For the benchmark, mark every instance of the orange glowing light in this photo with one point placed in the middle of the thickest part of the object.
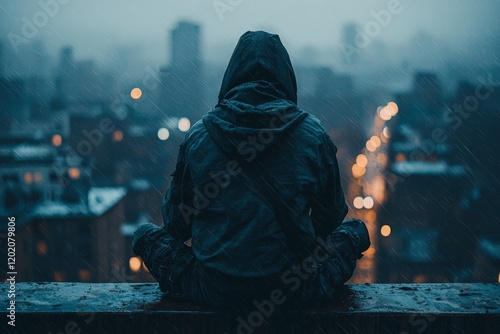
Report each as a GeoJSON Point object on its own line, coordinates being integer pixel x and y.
{"type": "Point", "coordinates": [368, 202]}
{"type": "Point", "coordinates": [57, 140]}
{"type": "Point", "coordinates": [385, 114]}
{"type": "Point", "coordinates": [358, 202]}
{"type": "Point", "coordinates": [382, 158]}
{"type": "Point", "coordinates": [41, 248]}
{"type": "Point", "coordinates": [400, 157]}
{"type": "Point", "coordinates": [386, 132]}
{"type": "Point", "coordinates": [135, 263]}
{"type": "Point", "coordinates": [385, 230]}
{"type": "Point", "coordinates": [420, 279]}
{"type": "Point", "coordinates": [370, 216]}
{"type": "Point", "coordinates": [117, 136]}
{"type": "Point", "coordinates": [74, 173]}
{"type": "Point", "coordinates": [370, 251]}
{"type": "Point", "coordinates": [28, 178]}
{"type": "Point", "coordinates": [376, 141]}
{"type": "Point", "coordinates": [84, 275]}
{"type": "Point", "coordinates": [358, 171]}
{"type": "Point", "coordinates": [37, 176]}
{"type": "Point", "coordinates": [370, 146]}
{"type": "Point", "coordinates": [136, 93]}
{"type": "Point", "coordinates": [362, 160]}
{"type": "Point", "coordinates": [392, 108]}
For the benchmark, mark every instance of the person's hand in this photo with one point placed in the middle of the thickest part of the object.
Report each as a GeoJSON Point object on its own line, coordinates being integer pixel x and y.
{"type": "Point", "coordinates": [188, 242]}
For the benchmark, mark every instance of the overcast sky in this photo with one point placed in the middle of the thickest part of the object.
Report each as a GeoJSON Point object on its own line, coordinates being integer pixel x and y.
{"type": "Point", "coordinates": [96, 26]}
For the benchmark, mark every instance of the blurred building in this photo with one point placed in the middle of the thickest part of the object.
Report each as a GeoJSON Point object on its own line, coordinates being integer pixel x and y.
{"type": "Point", "coordinates": [181, 93]}
{"type": "Point", "coordinates": [421, 224]}
{"type": "Point", "coordinates": [350, 48]}
{"type": "Point", "coordinates": [424, 105]}
{"type": "Point", "coordinates": [487, 265]}
{"type": "Point", "coordinates": [81, 83]}
{"type": "Point", "coordinates": [14, 105]}
{"type": "Point", "coordinates": [61, 241]}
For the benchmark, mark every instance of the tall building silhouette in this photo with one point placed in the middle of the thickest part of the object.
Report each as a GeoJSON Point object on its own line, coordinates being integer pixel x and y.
{"type": "Point", "coordinates": [185, 44]}
{"type": "Point", "coordinates": [350, 42]}
{"type": "Point", "coordinates": [181, 94]}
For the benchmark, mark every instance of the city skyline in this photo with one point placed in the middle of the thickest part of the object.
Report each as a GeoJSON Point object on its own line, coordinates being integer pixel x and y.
{"type": "Point", "coordinates": [137, 32]}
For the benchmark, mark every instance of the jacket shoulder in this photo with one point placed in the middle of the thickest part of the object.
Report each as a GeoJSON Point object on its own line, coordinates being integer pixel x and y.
{"type": "Point", "coordinates": [314, 128]}
{"type": "Point", "coordinates": [196, 132]}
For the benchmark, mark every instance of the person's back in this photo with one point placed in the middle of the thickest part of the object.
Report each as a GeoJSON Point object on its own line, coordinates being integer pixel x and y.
{"type": "Point", "coordinates": [256, 129]}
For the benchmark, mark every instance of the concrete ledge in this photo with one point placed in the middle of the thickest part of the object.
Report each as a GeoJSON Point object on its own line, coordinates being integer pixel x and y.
{"type": "Point", "coordinates": [141, 308]}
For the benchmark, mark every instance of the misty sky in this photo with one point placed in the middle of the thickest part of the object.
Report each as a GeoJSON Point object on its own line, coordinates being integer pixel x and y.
{"type": "Point", "coordinates": [96, 26]}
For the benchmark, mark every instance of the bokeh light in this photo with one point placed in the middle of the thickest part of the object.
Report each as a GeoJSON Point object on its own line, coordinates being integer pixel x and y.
{"type": "Point", "coordinates": [385, 230]}
{"type": "Point", "coordinates": [362, 160]}
{"type": "Point", "coordinates": [184, 124]}
{"type": "Point", "coordinates": [163, 134]}
{"type": "Point", "coordinates": [358, 202]}
{"type": "Point", "coordinates": [136, 93]}
{"type": "Point", "coordinates": [135, 264]}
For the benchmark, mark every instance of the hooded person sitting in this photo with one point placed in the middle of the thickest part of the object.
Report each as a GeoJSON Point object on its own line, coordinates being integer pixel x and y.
{"type": "Point", "coordinates": [257, 191]}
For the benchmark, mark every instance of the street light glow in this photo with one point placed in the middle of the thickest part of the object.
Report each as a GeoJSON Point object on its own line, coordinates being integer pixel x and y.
{"type": "Point", "coordinates": [163, 134]}
{"type": "Point", "coordinates": [184, 124]}
{"type": "Point", "coordinates": [136, 93]}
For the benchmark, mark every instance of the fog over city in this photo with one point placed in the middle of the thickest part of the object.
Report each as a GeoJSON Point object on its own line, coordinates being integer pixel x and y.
{"type": "Point", "coordinates": [117, 31]}
{"type": "Point", "coordinates": [96, 97]}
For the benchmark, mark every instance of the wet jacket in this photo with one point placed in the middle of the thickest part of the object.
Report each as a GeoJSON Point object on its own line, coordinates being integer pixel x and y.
{"type": "Point", "coordinates": [233, 229]}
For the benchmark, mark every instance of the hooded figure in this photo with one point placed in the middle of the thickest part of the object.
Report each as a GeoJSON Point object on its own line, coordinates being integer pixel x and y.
{"type": "Point", "coordinates": [242, 241]}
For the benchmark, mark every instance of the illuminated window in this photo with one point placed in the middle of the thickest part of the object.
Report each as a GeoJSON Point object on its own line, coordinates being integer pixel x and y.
{"type": "Point", "coordinates": [59, 276]}
{"type": "Point", "coordinates": [28, 178]}
{"type": "Point", "coordinates": [41, 248]}
{"type": "Point", "coordinates": [117, 136]}
{"type": "Point", "coordinates": [74, 173]}
{"type": "Point", "coordinates": [56, 140]}
{"type": "Point", "coordinates": [400, 157]}
{"type": "Point", "coordinates": [37, 176]}
{"type": "Point", "coordinates": [84, 275]}
{"type": "Point", "coordinates": [420, 279]}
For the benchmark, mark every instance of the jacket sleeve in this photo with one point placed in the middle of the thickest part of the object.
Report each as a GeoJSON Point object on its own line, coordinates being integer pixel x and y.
{"type": "Point", "coordinates": [177, 207]}
{"type": "Point", "coordinates": [328, 204]}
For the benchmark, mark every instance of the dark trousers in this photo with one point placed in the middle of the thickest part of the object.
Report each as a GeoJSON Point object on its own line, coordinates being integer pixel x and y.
{"type": "Point", "coordinates": [312, 279]}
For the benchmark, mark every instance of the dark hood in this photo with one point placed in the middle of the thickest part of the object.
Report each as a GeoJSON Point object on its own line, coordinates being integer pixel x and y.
{"type": "Point", "coordinates": [258, 97]}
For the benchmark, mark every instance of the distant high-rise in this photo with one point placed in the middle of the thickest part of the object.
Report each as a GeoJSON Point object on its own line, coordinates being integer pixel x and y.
{"type": "Point", "coordinates": [350, 43]}
{"type": "Point", "coordinates": [182, 92]}
{"type": "Point", "coordinates": [185, 43]}
{"type": "Point", "coordinates": [66, 59]}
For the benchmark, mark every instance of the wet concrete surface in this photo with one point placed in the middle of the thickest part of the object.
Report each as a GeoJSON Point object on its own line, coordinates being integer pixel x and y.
{"type": "Point", "coordinates": [365, 308]}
